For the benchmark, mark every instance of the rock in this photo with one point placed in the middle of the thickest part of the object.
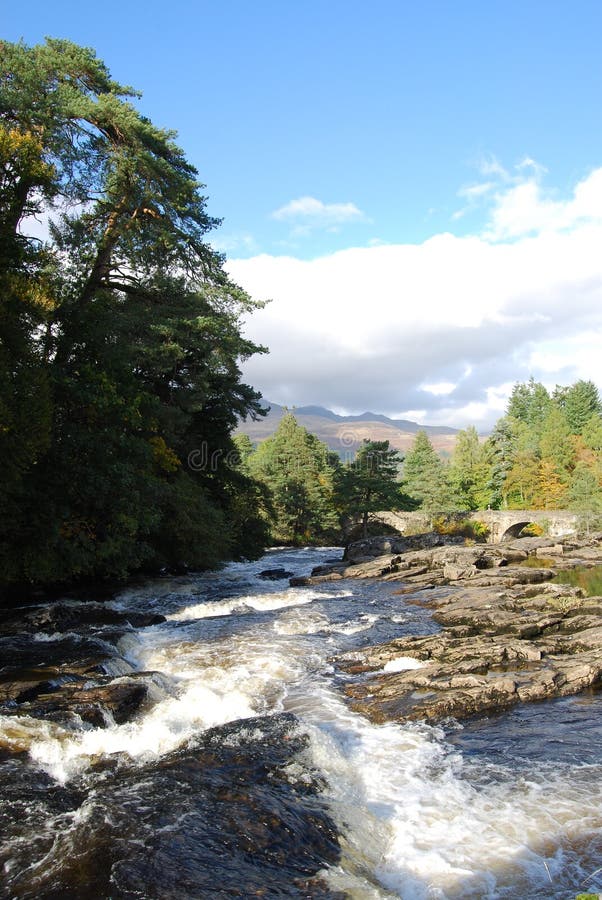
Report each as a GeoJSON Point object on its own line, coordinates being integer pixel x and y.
{"type": "Point", "coordinates": [369, 548]}
{"type": "Point", "coordinates": [275, 574]}
{"type": "Point", "coordinates": [454, 572]}
{"type": "Point", "coordinates": [554, 550]}
{"type": "Point", "coordinates": [499, 646]}
{"type": "Point", "coordinates": [337, 568]}
{"type": "Point", "coordinates": [530, 544]}
{"type": "Point", "coordinates": [60, 617]}
{"type": "Point", "coordinates": [303, 581]}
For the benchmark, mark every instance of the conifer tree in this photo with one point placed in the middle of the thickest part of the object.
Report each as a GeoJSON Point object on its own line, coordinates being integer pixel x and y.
{"type": "Point", "coordinates": [469, 473]}
{"type": "Point", "coordinates": [370, 483]}
{"type": "Point", "coordinates": [298, 470]}
{"type": "Point", "coordinates": [424, 476]}
{"type": "Point", "coordinates": [120, 336]}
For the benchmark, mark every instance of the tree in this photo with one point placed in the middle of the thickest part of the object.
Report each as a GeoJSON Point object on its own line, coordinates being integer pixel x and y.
{"type": "Point", "coordinates": [521, 483]}
{"type": "Point", "coordinates": [499, 451]}
{"type": "Point", "coordinates": [424, 475]}
{"type": "Point", "coordinates": [121, 337]}
{"type": "Point", "coordinates": [580, 402]}
{"type": "Point", "coordinates": [550, 488]}
{"type": "Point", "coordinates": [469, 472]}
{"type": "Point", "coordinates": [585, 493]}
{"type": "Point", "coordinates": [298, 470]}
{"type": "Point", "coordinates": [592, 433]}
{"type": "Point", "coordinates": [370, 482]}
{"type": "Point", "coordinates": [529, 403]}
{"type": "Point", "coordinates": [556, 442]}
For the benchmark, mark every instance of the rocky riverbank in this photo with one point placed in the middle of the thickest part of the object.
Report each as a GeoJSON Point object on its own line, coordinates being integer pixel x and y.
{"type": "Point", "coordinates": [59, 662]}
{"type": "Point", "coordinates": [508, 634]}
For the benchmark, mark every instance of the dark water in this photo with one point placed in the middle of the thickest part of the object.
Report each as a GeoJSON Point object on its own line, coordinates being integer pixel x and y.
{"type": "Point", "coordinates": [242, 772]}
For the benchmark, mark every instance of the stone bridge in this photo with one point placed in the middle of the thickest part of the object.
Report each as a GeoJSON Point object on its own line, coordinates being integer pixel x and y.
{"type": "Point", "coordinates": [503, 524]}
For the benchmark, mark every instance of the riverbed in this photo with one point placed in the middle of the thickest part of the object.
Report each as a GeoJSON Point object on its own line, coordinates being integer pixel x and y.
{"type": "Point", "coordinates": [248, 774]}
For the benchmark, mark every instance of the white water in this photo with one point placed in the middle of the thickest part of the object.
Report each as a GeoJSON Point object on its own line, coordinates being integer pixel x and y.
{"type": "Point", "coordinates": [418, 820]}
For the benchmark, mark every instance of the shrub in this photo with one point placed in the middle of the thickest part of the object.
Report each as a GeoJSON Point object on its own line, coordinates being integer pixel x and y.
{"type": "Point", "coordinates": [457, 524]}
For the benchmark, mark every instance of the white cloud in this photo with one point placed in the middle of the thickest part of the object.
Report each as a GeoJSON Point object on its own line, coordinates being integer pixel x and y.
{"type": "Point", "coordinates": [307, 213]}
{"type": "Point", "coordinates": [441, 389]}
{"type": "Point", "coordinates": [491, 167]}
{"type": "Point", "coordinates": [446, 326]}
{"type": "Point", "coordinates": [520, 205]}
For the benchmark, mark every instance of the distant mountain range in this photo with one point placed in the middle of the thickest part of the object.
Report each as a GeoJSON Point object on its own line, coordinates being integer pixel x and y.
{"type": "Point", "coordinates": [344, 434]}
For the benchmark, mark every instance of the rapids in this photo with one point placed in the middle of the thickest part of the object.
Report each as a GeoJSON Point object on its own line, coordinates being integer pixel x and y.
{"type": "Point", "coordinates": [246, 774]}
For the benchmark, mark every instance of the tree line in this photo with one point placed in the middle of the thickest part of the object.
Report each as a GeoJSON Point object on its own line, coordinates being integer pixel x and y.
{"type": "Point", "coordinates": [120, 337]}
{"type": "Point", "coordinates": [544, 453]}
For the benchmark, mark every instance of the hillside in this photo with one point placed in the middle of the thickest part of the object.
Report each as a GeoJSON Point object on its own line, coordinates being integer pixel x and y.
{"type": "Point", "coordinates": [344, 434]}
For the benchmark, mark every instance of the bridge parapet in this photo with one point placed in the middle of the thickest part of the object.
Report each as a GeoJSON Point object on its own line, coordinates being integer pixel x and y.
{"type": "Point", "coordinates": [503, 524]}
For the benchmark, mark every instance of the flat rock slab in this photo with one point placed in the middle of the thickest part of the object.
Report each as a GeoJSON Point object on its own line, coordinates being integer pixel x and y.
{"type": "Point", "coordinates": [501, 644]}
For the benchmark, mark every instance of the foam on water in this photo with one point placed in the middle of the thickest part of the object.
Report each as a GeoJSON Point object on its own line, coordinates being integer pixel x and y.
{"type": "Point", "coordinates": [212, 684]}
{"type": "Point", "coordinates": [256, 602]}
{"type": "Point", "coordinates": [424, 825]}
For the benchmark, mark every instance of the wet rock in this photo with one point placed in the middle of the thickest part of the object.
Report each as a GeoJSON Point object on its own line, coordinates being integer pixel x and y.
{"type": "Point", "coordinates": [98, 705]}
{"type": "Point", "coordinates": [22, 652]}
{"type": "Point", "coordinates": [497, 648]}
{"type": "Point", "coordinates": [302, 581]}
{"type": "Point", "coordinates": [275, 574]}
{"type": "Point", "coordinates": [237, 814]}
{"type": "Point", "coordinates": [60, 617]}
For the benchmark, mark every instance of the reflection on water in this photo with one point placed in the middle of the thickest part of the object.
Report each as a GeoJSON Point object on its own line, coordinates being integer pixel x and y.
{"type": "Point", "coordinates": [588, 579]}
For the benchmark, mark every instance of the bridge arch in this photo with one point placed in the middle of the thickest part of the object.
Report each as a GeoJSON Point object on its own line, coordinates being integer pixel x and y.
{"type": "Point", "coordinates": [515, 530]}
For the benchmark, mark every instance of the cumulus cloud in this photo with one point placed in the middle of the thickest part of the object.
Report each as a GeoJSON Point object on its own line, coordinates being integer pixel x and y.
{"type": "Point", "coordinates": [308, 213]}
{"type": "Point", "coordinates": [444, 327]}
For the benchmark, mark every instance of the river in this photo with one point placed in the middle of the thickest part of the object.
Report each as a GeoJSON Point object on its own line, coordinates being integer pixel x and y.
{"type": "Point", "coordinates": [248, 775]}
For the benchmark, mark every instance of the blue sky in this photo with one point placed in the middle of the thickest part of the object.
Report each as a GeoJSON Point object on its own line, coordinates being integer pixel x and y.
{"type": "Point", "coordinates": [328, 129]}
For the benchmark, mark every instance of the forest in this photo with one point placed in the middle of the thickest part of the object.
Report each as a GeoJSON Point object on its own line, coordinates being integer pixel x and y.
{"type": "Point", "coordinates": [120, 381]}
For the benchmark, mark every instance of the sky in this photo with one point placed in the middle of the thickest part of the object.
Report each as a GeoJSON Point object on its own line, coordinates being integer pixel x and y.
{"type": "Point", "coordinates": [415, 187]}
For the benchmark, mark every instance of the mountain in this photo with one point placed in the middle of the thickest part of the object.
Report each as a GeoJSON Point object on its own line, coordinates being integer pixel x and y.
{"type": "Point", "coordinates": [344, 434]}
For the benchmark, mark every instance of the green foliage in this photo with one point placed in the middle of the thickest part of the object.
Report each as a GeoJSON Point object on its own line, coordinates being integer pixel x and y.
{"type": "Point", "coordinates": [556, 443]}
{"type": "Point", "coordinates": [579, 402]}
{"type": "Point", "coordinates": [370, 483]}
{"type": "Point", "coordinates": [120, 339]}
{"type": "Point", "coordinates": [469, 474]}
{"type": "Point", "coordinates": [499, 451]}
{"type": "Point", "coordinates": [529, 403]}
{"type": "Point", "coordinates": [457, 524]}
{"type": "Point", "coordinates": [592, 433]}
{"type": "Point", "coordinates": [424, 476]}
{"type": "Point", "coordinates": [299, 471]}
{"type": "Point", "coordinates": [545, 453]}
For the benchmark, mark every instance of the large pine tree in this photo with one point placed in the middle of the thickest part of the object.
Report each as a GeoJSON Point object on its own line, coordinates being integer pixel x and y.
{"type": "Point", "coordinates": [120, 336]}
